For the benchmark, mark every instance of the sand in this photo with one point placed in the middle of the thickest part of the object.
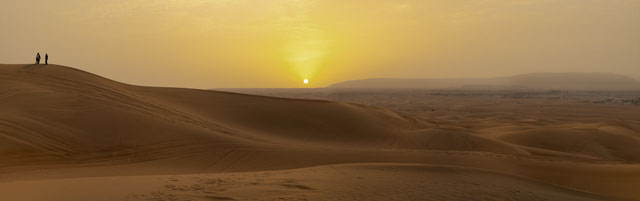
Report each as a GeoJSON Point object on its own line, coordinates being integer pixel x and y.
{"type": "Point", "coordinates": [334, 182]}
{"type": "Point", "coordinates": [66, 134]}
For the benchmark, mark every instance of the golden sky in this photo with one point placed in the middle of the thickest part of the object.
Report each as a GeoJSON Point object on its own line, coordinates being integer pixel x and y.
{"type": "Point", "coordinates": [278, 43]}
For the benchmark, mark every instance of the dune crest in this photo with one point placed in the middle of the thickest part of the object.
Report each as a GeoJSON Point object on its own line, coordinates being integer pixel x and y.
{"type": "Point", "coordinates": [60, 111]}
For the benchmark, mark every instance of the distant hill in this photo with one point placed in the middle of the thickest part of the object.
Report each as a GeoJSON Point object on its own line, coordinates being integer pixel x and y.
{"type": "Point", "coordinates": [537, 81]}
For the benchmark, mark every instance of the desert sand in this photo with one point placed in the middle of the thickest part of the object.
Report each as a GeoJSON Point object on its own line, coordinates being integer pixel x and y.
{"type": "Point", "coordinates": [66, 134]}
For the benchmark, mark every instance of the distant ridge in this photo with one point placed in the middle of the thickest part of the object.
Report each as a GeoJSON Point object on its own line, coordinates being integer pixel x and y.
{"type": "Point", "coordinates": [534, 81]}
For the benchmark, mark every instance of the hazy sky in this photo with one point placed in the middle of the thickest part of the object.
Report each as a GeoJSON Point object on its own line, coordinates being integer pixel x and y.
{"type": "Point", "coordinates": [278, 43]}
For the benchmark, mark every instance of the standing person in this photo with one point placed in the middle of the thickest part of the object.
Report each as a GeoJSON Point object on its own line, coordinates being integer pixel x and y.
{"type": "Point", "coordinates": [46, 59]}
{"type": "Point", "coordinates": [38, 58]}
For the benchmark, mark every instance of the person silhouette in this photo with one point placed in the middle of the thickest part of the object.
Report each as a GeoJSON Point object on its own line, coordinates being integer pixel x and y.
{"type": "Point", "coordinates": [46, 59]}
{"type": "Point", "coordinates": [38, 58]}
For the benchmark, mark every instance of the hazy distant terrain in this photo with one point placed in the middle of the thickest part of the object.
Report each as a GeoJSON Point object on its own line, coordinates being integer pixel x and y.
{"type": "Point", "coordinates": [535, 81]}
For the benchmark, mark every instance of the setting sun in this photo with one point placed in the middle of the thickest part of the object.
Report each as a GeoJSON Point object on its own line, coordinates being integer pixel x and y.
{"type": "Point", "coordinates": [306, 81]}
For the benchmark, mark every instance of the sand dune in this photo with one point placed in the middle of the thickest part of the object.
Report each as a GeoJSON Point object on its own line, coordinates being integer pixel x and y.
{"type": "Point", "coordinates": [61, 127]}
{"type": "Point", "coordinates": [63, 112]}
{"type": "Point", "coordinates": [591, 142]}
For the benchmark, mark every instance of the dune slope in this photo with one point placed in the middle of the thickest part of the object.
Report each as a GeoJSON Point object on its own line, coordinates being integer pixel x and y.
{"type": "Point", "coordinates": [63, 112]}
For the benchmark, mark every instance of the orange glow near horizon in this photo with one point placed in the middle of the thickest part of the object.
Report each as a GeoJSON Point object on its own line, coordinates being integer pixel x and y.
{"type": "Point", "coordinates": [243, 43]}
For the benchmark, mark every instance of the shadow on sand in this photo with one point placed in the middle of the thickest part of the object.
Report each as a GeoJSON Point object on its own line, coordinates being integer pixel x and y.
{"type": "Point", "coordinates": [34, 66]}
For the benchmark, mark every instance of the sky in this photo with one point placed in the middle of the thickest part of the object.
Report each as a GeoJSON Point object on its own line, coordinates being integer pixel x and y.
{"type": "Point", "coordinates": [279, 43]}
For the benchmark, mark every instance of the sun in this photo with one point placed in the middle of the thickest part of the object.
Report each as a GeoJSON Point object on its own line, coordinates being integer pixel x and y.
{"type": "Point", "coordinates": [306, 81]}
